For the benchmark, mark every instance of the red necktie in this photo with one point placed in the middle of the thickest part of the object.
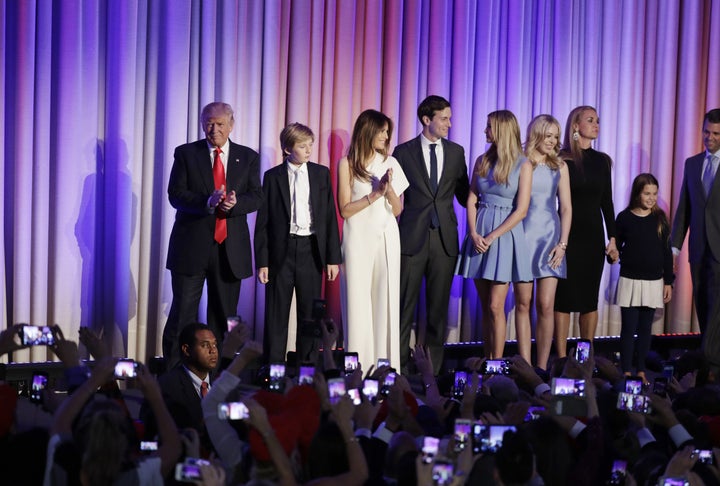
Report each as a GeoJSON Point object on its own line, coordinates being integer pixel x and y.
{"type": "Point", "coordinates": [220, 217]}
{"type": "Point", "coordinates": [203, 389]}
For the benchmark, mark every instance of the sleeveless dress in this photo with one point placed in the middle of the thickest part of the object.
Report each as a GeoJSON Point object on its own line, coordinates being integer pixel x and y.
{"type": "Point", "coordinates": [542, 223]}
{"type": "Point", "coordinates": [370, 281]}
{"type": "Point", "coordinates": [508, 258]}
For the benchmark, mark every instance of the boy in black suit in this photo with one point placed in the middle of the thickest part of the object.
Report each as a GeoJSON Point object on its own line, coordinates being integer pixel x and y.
{"type": "Point", "coordinates": [296, 238]}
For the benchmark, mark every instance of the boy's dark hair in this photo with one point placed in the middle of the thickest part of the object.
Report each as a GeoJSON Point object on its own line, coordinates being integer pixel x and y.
{"type": "Point", "coordinates": [187, 334]}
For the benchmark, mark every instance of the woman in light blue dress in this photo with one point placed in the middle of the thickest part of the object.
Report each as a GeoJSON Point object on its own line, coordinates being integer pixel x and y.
{"type": "Point", "coordinates": [495, 250]}
{"type": "Point", "coordinates": [547, 234]}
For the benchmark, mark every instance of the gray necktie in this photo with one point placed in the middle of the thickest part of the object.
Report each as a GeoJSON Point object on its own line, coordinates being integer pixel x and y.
{"type": "Point", "coordinates": [709, 174]}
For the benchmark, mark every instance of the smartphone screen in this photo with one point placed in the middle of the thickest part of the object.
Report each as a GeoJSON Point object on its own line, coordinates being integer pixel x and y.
{"type": "Point", "coordinates": [148, 445]}
{"type": "Point", "coordinates": [351, 362]}
{"type": "Point", "coordinates": [633, 384]}
{"type": "Point", "coordinates": [125, 368]}
{"type": "Point", "coordinates": [705, 456]}
{"type": "Point", "coordinates": [462, 434]}
{"type": "Point", "coordinates": [187, 473]}
{"type": "Point", "coordinates": [568, 386]}
{"type": "Point", "coordinates": [534, 413]}
{"type": "Point", "coordinates": [618, 473]}
{"type": "Point", "coordinates": [354, 394]}
{"type": "Point", "coordinates": [442, 473]}
{"type": "Point", "coordinates": [388, 382]}
{"type": "Point", "coordinates": [668, 371]}
{"type": "Point", "coordinates": [39, 382]}
{"type": "Point", "coordinates": [582, 350]}
{"type": "Point", "coordinates": [233, 411]}
{"type": "Point", "coordinates": [307, 372]}
{"type": "Point", "coordinates": [496, 367]}
{"type": "Point", "coordinates": [459, 383]}
{"type": "Point", "coordinates": [277, 377]}
{"type": "Point", "coordinates": [383, 362]}
{"type": "Point", "coordinates": [370, 388]}
{"type": "Point", "coordinates": [674, 481]}
{"type": "Point", "coordinates": [429, 449]}
{"type": "Point", "coordinates": [489, 438]}
{"type": "Point", "coordinates": [633, 403]}
{"type": "Point", "coordinates": [336, 389]}
{"type": "Point", "coordinates": [37, 336]}
{"type": "Point", "coordinates": [232, 322]}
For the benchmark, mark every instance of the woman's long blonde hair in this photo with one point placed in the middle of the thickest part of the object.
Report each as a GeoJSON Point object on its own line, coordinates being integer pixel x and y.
{"type": "Point", "coordinates": [536, 136]}
{"type": "Point", "coordinates": [505, 148]}
{"type": "Point", "coordinates": [367, 126]}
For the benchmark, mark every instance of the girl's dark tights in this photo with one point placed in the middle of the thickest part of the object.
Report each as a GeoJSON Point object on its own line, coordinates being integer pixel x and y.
{"type": "Point", "coordinates": [635, 320]}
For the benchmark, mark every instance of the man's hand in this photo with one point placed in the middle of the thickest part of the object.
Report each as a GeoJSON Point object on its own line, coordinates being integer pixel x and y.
{"type": "Point", "coordinates": [65, 349]}
{"type": "Point", "coordinates": [216, 197]}
{"type": "Point", "coordinates": [229, 202]}
{"type": "Point", "coordinates": [332, 272]}
{"type": "Point", "coordinates": [9, 339]}
{"type": "Point", "coordinates": [94, 344]}
{"type": "Point", "coordinates": [263, 275]}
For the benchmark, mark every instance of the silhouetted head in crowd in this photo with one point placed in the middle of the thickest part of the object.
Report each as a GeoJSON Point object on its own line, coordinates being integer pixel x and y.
{"type": "Point", "coordinates": [515, 461]}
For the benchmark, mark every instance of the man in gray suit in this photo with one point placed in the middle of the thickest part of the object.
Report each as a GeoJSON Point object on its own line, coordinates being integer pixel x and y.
{"type": "Point", "coordinates": [437, 172]}
{"type": "Point", "coordinates": [699, 210]}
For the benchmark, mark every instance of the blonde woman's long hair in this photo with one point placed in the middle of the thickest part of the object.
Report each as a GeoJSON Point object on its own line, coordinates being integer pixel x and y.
{"type": "Point", "coordinates": [536, 136]}
{"type": "Point", "coordinates": [367, 126]}
{"type": "Point", "coordinates": [506, 146]}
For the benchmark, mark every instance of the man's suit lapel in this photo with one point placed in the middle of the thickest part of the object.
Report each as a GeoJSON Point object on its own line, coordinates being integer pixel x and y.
{"type": "Point", "coordinates": [284, 187]}
{"type": "Point", "coordinates": [232, 177]}
{"type": "Point", "coordinates": [421, 171]}
{"type": "Point", "coordinates": [205, 165]}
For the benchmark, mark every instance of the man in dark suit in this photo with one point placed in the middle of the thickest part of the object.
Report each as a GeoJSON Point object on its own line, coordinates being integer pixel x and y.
{"type": "Point", "coordinates": [296, 238]}
{"type": "Point", "coordinates": [184, 386]}
{"type": "Point", "coordinates": [437, 172]}
{"type": "Point", "coordinates": [210, 239]}
{"type": "Point", "coordinates": [699, 210]}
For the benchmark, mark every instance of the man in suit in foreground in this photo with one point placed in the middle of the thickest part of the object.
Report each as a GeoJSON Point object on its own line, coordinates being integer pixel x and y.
{"type": "Point", "coordinates": [184, 386]}
{"type": "Point", "coordinates": [296, 238]}
{"type": "Point", "coordinates": [699, 210]}
{"type": "Point", "coordinates": [437, 172]}
{"type": "Point", "coordinates": [214, 184]}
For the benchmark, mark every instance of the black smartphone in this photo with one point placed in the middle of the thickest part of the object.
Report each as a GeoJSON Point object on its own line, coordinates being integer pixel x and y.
{"type": "Point", "coordinates": [370, 388]}
{"type": "Point", "coordinates": [534, 413]}
{"type": "Point", "coordinates": [462, 434]}
{"type": "Point", "coordinates": [459, 383]}
{"type": "Point", "coordinates": [668, 371]}
{"type": "Point", "coordinates": [496, 367]}
{"type": "Point", "coordinates": [582, 350]}
{"type": "Point", "coordinates": [336, 389]}
{"type": "Point", "coordinates": [233, 411]}
{"type": "Point", "coordinates": [148, 446]}
{"type": "Point", "coordinates": [705, 456]}
{"type": "Point", "coordinates": [382, 362]}
{"type": "Point", "coordinates": [307, 372]}
{"type": "Point", "coordinates": [36, 335]}
{"type": "Point", "coordinates": [634, 403]}
{"type": "Point", "coordinates": [618, 473]}
{"type": "Point", "coordinates": [660, 386]}
{"type": "Point", "coordinates": [388, 382]}
{"type": "Point", "coordinates": [319, 309]}
{"type": "Point", "coordinates": [232, 322]}
{"type": "Point", "coordinates": [38, 384]}
{"type": "Point", "coordinates": [568, 386]}
{"type": "Point", "coordinates": [489, 438]}
{"type": "Point", "coordinates": [276, 382]}
{"type": "Point", "coordinates": [351, 362]}
{"type": "Point", "coordinates": [429, 449]}
{"type": "Point", "coordinates": [633, 384]}
{"type": "Point", "coordinates": [443, 472]}
{"type": "Point", "coordinates": [188, 473]}
{"type": "Point", "coordinates": [125, 368]}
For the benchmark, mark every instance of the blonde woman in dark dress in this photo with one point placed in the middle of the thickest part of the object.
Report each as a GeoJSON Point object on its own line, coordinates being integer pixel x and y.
{"type": "Point", "coordinates": [587, 248]}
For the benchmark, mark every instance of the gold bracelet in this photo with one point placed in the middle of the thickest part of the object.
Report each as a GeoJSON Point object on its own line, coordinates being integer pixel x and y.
{"type": "Point", "coordinates": [562, 245]}
{"type": "Point", "coordinates": [367, 196]}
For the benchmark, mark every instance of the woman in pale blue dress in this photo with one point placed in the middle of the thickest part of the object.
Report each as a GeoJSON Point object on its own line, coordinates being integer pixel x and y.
{"type": "Point", "coordinates": [495, 251]}
{"type": "Point", "coordinates": [547, 234]}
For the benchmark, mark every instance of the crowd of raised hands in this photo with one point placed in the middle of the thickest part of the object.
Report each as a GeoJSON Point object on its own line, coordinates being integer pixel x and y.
{"type": "Point", "coordinates": [422, 429]}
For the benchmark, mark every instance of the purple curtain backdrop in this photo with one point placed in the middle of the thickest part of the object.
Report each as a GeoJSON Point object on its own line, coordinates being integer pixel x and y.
{"type": "Point", "coordinates": [95, 95]}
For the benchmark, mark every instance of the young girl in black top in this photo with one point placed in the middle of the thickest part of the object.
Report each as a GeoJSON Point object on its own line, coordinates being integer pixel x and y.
{"type": "Point", "coordinates": [646, 272]}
